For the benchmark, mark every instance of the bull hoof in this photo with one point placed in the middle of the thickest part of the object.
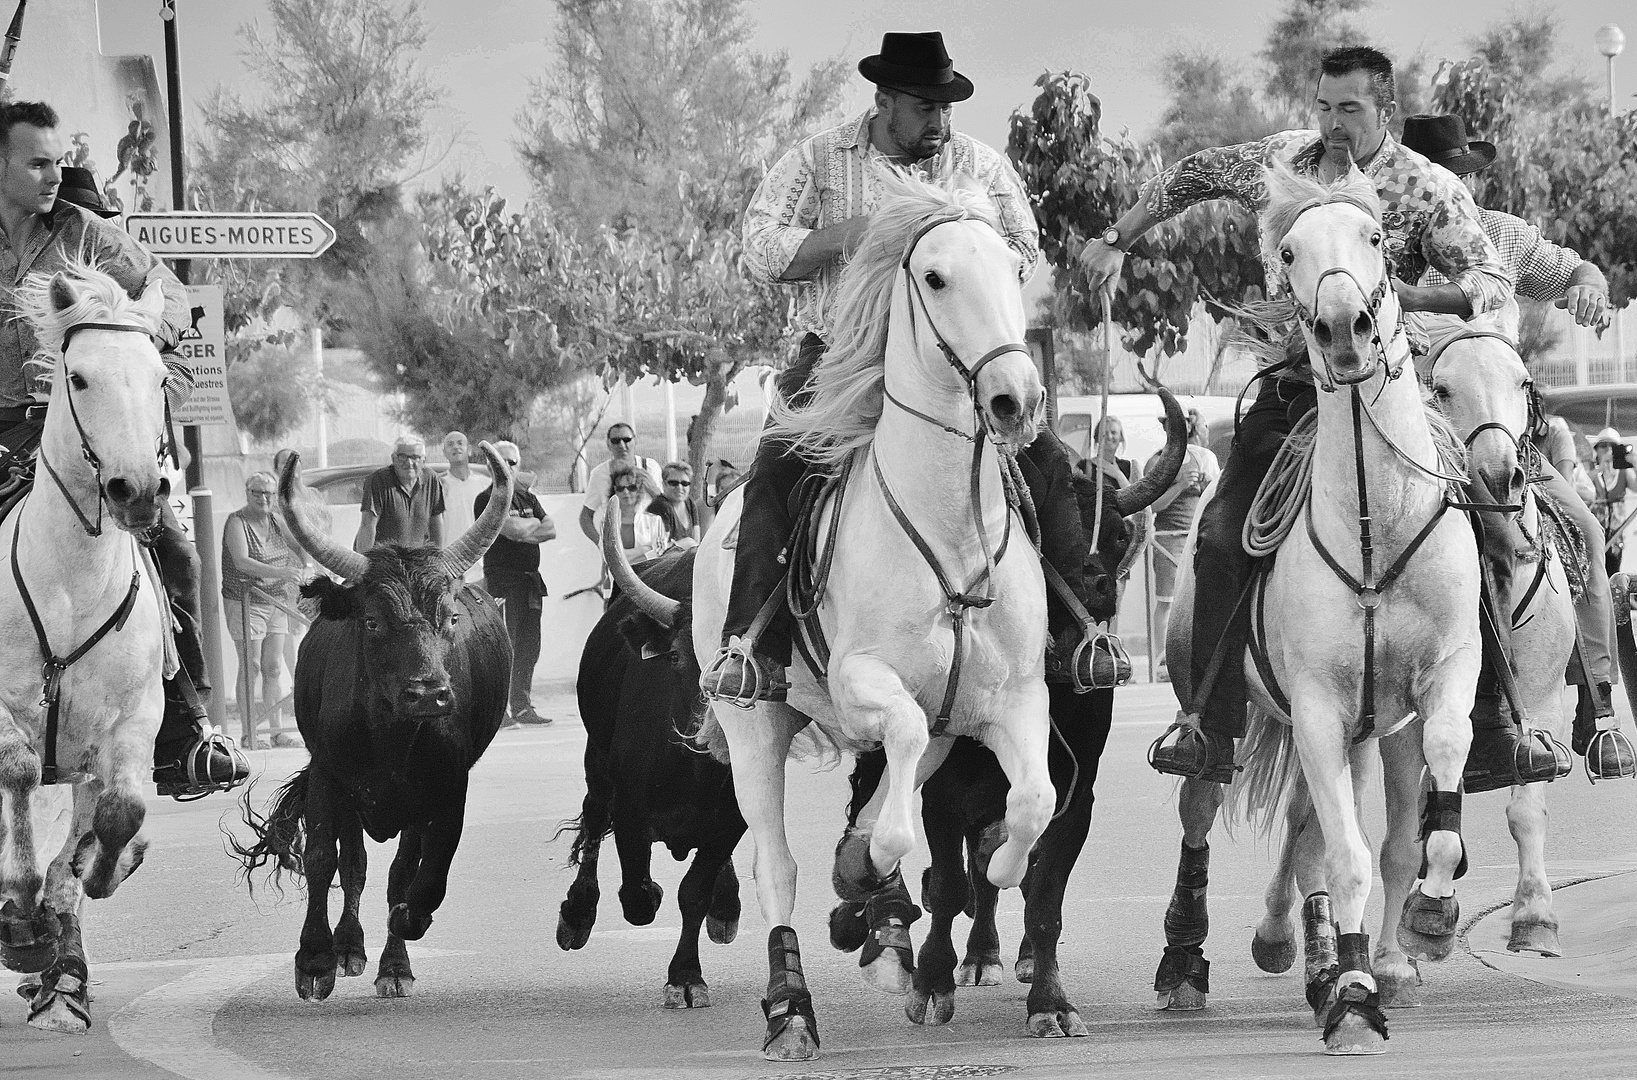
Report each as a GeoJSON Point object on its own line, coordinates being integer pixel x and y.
{"type": "Point", "coordinates": [1355, 1037]}
{"type": "Point", "coordinates": [721, 931]}
{"type": "Point", "coordinates": [405, 925]}
{"type": "Point", "coordinates": [1275, 957]}
{"type": "Point", "coordinates": [394, 986]}
{"type": "Point", "coordinates": [987, 973]}
{"type": "Point", "coordinates": [794, 1043]}
{"type": "Point", "coordinates": [1426, 930]}
{"type": "Point", "coordinates": [693, 995]}
{"type": "Point", "coordinates": [1057, 1025]}
{"type": "Point", "coordinates": [1535, 937]}
{"type": "Point", "coordinates": [314, 987]}
{"type": "Point", "coordinates": [1183, 998]}
{"type": "Point", "coordinates": [848, 928]}
{"type": "Point", "coordinates": [350, 960]}
{"type": "Point", "coordinates": [886, 974]}
{"type": "Point", "coordinates": [641, 902]}
{"type": "Point", "coordinates": [1023, 970]}
{"type": "Point", "coordinates": [573, 935]}
{"type": "Point", "coordinates": [932, 1010]}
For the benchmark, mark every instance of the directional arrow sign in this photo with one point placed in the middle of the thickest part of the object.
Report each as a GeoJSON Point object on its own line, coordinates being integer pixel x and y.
{"type": "Point", "coordinates": [192, 234]}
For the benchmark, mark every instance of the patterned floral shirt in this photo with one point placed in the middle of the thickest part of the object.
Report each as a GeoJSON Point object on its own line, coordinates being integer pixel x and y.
{"type": "Point", "coordinates": [1429, 216]}
{"type": "Point", "coordinates": [835, 176]}
{"type": "Point", "coordinates": [1539, 269]}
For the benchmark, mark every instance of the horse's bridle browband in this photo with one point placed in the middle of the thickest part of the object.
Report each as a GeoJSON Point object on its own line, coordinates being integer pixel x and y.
{"type": "Point", "coordinates": [89, 454]}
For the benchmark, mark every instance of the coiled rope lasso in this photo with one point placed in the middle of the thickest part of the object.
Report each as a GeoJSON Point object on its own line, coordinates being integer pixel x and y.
{"type": "Point", "coordinates": [1284, 490]}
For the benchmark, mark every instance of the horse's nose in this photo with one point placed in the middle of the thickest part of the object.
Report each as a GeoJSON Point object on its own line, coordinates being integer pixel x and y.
{"type": "Point", "coordinates": [123, 491]}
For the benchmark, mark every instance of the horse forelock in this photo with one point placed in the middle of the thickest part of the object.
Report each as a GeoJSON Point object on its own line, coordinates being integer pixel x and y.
{"type": "Point", "coordinates": [846, 400]}
{"type": "Point", "coordinates": [1290, 195]}
{"type": "Point", "coordinates": [101, 299]}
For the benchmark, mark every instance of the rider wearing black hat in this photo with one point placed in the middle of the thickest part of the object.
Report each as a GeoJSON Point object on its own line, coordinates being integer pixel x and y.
{"type": "Point", "coordinates": [809, 212]}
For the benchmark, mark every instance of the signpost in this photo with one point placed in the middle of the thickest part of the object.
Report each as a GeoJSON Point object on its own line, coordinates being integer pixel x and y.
{"type": "Point", "coordinates": [198, 234]}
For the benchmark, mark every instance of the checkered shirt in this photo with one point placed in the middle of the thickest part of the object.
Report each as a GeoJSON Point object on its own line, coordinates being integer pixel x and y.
{"type": "Point", "coordinates": [1539, 269]}
{"type": "Point", "coordinates": [835, 176]}
{"type": "Point", "coordinates": [1428, 215]}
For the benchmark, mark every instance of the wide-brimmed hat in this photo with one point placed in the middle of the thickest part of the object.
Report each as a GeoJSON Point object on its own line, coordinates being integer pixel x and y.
{"type": "Point", "coordinates": [916, 64]}
{"type": "Point", "coordinates": [1608, 435]}
{"type": "Point", "coordinates": [1442, 140]}
{"type": "Point", "coordinates": [79, 186]}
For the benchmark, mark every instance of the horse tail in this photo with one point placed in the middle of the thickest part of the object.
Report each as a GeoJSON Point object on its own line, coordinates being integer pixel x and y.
{"type": "Point", "coordinates": [1260, 793]}
{"type": "Point", "coordinates": [279, 835]}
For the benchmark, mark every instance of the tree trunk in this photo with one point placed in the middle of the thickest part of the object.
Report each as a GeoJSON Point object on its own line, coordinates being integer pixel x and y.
{"type": "Point", "coordinates": [721, 372]}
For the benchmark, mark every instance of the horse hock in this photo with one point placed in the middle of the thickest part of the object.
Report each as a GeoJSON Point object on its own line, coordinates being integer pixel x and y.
{"type": "Point", "coordinates": [792, 1030]}
{"type": "Point", "coordinates": [1184, 977]}
{"type": "Point", "coordinates": [1355, 1025]}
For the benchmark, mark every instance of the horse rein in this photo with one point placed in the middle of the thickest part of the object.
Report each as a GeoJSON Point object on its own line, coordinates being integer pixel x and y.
{"type": "Point", "coordinates": [86, 452]}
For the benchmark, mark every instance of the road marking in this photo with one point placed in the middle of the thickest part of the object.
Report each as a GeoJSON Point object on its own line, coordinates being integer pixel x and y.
{"type": "Point", "coordinates": [171, 1025]}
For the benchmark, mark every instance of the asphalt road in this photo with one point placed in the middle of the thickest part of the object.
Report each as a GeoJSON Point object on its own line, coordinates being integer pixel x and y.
{"type": "Point", "coordinates": [193, 976]}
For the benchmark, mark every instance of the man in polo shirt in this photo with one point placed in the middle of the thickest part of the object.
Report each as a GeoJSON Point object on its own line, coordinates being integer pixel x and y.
{"type": "Point", "coordinates": [402, 503]}
{"type": "Point", "coordinates": [511, 573]}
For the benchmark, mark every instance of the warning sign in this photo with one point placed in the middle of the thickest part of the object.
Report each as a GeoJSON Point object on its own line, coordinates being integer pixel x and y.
{"type": "Point", "coordinates": [204, 346]}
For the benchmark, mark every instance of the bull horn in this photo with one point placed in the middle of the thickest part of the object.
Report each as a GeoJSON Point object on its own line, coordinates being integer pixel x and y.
{"type": "Point", "coordinates": [1140, 495]}
{"type": "Point", "coordinates": [459, 556]}
{"type": "Point", "coordinates": [652, 603]}
{"type": "Point", "coordinates": [341, 561]}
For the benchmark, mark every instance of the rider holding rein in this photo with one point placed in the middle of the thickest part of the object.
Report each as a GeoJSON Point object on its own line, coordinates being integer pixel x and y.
{"type": "Point", "coordinates": [809, 213]}
{"type": "Point", "coordinates": [47, 222]}
{"type": "Point", "coordinates": [1429, 220]}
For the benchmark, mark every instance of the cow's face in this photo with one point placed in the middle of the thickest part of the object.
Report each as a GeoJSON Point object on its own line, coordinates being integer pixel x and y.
{"type": "Point", "coordinates": [407, 617]}
{"type": "Point", "coordinates": [1108, 550]}
{"type": "Point", "coordinates": [649, 640]}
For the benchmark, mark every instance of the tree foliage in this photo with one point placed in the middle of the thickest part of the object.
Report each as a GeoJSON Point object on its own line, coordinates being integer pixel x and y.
{"type": "Point", "coordinates": [1561, 161]}
{"type": "Point", "coordinates": [1080, 181]}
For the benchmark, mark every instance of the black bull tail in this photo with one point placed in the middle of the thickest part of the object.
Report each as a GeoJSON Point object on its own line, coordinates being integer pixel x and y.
{"type": "Point", "coordinates": [278, 833]}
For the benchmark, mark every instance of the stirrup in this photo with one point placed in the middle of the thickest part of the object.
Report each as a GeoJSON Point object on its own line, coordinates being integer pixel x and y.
{"type": "Point", "coordinates": [1616, 760]}
{"type": "Point", "coordinates": [199, 785]}
{"type": "Point", "coordinates": [1219, 773]}
{"type": "Point", "coordinates": [1109, 663]}
{"type": "Point", "coordinates": [754, 685]}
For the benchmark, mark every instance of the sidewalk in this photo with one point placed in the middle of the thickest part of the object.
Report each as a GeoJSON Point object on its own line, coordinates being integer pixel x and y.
{"type": "Point", "coordinates": [1598, 928]}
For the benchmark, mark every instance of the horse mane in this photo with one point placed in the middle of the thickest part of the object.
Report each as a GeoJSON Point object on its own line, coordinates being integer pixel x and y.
{"type": "Point", "coordinates": [102, 299]}
{"type": "Point", "coordinates": [846, 399]}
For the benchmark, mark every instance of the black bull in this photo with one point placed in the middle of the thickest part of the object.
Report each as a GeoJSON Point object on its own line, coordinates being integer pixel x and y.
{"type": "Point", "coordinates": [639, 699]}
{"type": "Point", "coordinates": [400, 686]}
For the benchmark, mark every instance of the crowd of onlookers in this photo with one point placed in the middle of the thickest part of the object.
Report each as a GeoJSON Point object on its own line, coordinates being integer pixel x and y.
{"type": "Point", "coordinates": [407, 502]}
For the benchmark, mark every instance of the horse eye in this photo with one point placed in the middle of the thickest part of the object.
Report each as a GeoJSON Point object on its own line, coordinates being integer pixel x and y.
{"type": "Point", "coordinates": [77, 381]}
{"type": "Point", "coordinates": [934, 280]}
{"type": "Point", "coordinates": [1440, 392]}
{"type": "Point", "coordinates": [1287, 255]}
{"type": "Point", "coordinates": [372, 625]}
{"type": "Point", "coordinates": [1375, 240]}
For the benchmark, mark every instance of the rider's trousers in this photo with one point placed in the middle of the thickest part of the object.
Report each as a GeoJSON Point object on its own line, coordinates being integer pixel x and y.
{"type": "Point", "coordinates": [765, 522]}
{"type": "Point", "coordinates": [1594, 612]}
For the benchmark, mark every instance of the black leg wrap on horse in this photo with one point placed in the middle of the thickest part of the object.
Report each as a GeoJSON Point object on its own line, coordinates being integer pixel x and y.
{"type": "Point", "coordinates": [787, 994]}
{"type": "Point", "coordinates": [1319, 947]}
{"type": "Point", "coordinates": [852, 875]}
{"type": "Point", "coordinates": [889, 913]}
{"type": "Point", "coordinates": [1442, 811]}
{"type": "Point", "coordinates": [1186, 919]}
{"type": "Point", "coordinates": [1353, 951]}
{"type": "Point", "coordinates": [67, 979]}
{"type": "Point", "coordinates": [27, 944]}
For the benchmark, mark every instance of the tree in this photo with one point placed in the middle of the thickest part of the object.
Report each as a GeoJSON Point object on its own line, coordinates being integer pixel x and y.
{"type": "Point", "coordinates": [1561, 161]}
{"type": "Point", "coordinates": [1080, 181]}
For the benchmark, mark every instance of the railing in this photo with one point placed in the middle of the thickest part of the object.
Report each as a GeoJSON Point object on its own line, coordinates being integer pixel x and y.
{"type": "Point", "coordinates": [251, 719]}
{"type": "Point", "coordinates": [1565, 371]}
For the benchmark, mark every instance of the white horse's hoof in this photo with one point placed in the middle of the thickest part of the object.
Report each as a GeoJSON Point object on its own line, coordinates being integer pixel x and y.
{"type": "Point", "coordinates": [1274, 957]}
{"type": "Point", "coordinates": [1398, 991]}
{"type": "Point", "coordinates": [794, 1043]}
{"type": "Point", "coordinates": [886, 974]}
{"type": "Point", "coordinates": [1535, 937]}
{"type": "Point", "coordinates": [1354, 1037]}
{"type": "Point", "coordinates": [1184, 998]}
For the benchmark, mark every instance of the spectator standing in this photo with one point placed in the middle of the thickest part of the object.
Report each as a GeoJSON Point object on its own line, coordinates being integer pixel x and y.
{"type": "Point", "coordinates": [1173, 515]}
{"type": "Point", "coordinates": [643, 536]}
{"type": "Point", "coordinates": [1110, 436]}
{"type": "Point", "coordinates": [599, 485]}
{"type": "Point", "coordinates": [511, 572]}
{"type": "Point", "coordinates": [403, 502]}
{"type": "Point", "coordinates": [1612, 481]}
{"type": "Point", "coordinates": [260, 564]}
{"type": "Point", "coordinates": [461, 488]}
{"type": "Point", "coordinates": [674, 507]}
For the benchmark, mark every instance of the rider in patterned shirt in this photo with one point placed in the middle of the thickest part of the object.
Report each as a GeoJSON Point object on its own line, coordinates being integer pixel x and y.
{"type": "Point", "coordinates": [1544, 271]}
{"type": "Point", "coordinates": [811, 209]}
{"type": "Point", "coordinates": [1430, 221]}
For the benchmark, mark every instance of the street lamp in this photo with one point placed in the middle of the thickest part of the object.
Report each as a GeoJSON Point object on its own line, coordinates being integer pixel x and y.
{"type": "Point", "coordinates": [1610, 42]}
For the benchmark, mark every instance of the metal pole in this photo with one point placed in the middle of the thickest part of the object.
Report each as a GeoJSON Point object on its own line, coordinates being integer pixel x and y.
{"type": "Point", "coordinates": [210, 607]}
{"type": "Point", "coordinates": [1613, 109]}
{"type": "Point", "coordinates": [323, 413]}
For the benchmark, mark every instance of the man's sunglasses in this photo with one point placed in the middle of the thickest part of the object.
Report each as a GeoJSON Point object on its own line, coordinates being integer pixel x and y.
{"type": "Point", "coordinates": [619, 438]}
{"type": "Point", "coordinates": [678, 483]}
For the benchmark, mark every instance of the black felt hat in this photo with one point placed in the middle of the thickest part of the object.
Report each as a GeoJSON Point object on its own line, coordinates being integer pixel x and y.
{"type": "Point", "coordinates": [79, 186]}
{"type": "Point", "coordinates": [1442, 140]}
{"type": "Point", "coordinates": [916, 64]}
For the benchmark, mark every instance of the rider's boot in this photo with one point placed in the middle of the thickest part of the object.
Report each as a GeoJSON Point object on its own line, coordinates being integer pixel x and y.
{"type": "Point", "coordinates": [1597, 738]}
{"type": "Point", "coordinates": [1501, 754]}
{"type": "Point", "coordinates": [755, 647]}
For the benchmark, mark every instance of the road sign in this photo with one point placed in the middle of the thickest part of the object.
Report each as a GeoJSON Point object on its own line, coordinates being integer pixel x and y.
{"type": "Point", "coordinates": [194, 234]}
{"type": "Point", "coordinates": [203, 346]}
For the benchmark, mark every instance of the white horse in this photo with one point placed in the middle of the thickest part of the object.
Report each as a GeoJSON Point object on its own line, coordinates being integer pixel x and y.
{"type": "Point", "coordinates": [1389, 629]}
{"type": "Point", "coordinates": [925, 380]}
{"type": "Point", "coordinates": [73, 582]}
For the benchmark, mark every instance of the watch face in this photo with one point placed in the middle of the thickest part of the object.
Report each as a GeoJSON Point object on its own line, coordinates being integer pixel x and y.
{"type": "Point", "coordinates": [1111, 237]}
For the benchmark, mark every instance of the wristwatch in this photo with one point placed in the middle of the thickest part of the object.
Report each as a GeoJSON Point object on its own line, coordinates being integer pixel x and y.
{"type": "Point", "coordinates": [1111, 237]}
